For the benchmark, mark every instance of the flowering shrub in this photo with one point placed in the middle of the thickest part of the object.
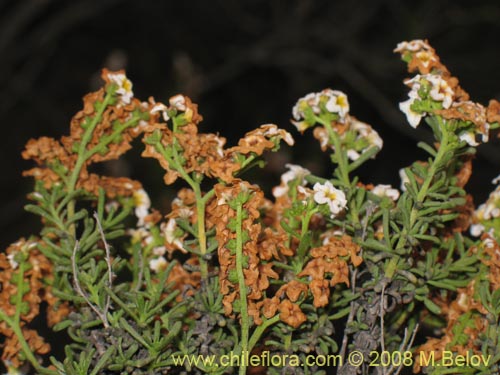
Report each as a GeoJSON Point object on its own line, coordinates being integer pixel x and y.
{"type": "Point", "coordinates": [327, 266]}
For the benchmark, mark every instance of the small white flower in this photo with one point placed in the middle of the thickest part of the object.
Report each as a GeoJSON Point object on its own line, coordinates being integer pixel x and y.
{"type": "Point", "coordinates": [306, 192]}
{"type": "Point", "coordinates": [311, 99]}
{"type": "Point", "coordinates": [469, 138]}
{"type": "Point", "coordinates": [300, 125]}
{"type": "Point", "coordinates": [496, 180]}
{"type": "Point", "coordinates": [324, 138]}
{"type": "Point", "coordinates": [415, 85]}
{"type": "Point", "coordinates": [476, 230]}
{"type": "Point", "coordinates": [159, 250]}
{"type": "Point", "coordinates": [12, 261]}
{"type": "Point", "coordinates": [485, 135]}
{"type": "Point", "coordinates": [337, 103]}
{"type": "Point", "coordinates": [440, 91]}
{"type": "Point", "coordinates": [366, 132]}
{"type": "Point", "coordinates": [477, 114]}
{"type": "Point", "coordinates": [374, 139]}
{"type": "Point", "coordinates": [404, 179]}
{"type": "Point", "coordinates": [353, 154]}
{"type": "Point", "coordinates": [142, 204]}
{"type": "Point", "coordinates": [111, 206]}
{"type": "Point", "coordinates": [169, 230]}
{"type": "Point", "coordinates": [386, 191]}
{"type": "Point", "coordinates": [280, 191]}
{"type": "Point", "coordinates": [169, 233]}
{"type": "Point", "coordinates": [160, 107]}
{"type": "Point", "coordinates": [327, 194]}
{"type": "Point", "coordinates": [287, 137]}
{"type": "Point", "coordinates": [148, 240]}
{"type": "Point", "coordinates": [178, 102]}
{"type": "Point", "coordinates": [225, 197]}
{"type": "Point", "coordinates": [488, 242]}
{"type": "Point", "coordinates": [296, 172]}
{"type": "Point", "coordinates": [490, 209]}
{"type": "Point", "coordinates": [220, 146]}
{"type": "Point", "coordinates": [124, 86]}
{"type": "Point", "coordinates": [272, 130]}
{"type": "Point", "coordinates": [185, 212]}
{"type": "Point", "coordinates": [413, 117]}
{"type": "Point", "coordinates": [138, 234]}
{"type": "Point", "coordinates": [158, 264]}
{"type": "Point", "coordinates": [331, 235]}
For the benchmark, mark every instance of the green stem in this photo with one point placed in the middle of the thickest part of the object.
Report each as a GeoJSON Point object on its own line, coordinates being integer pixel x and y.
{"type": "Point", "coordinates": [245, 324]}
{"type": "Point", "coordinates": [343, 167]}
{"type": "Point", "coordinates": [87, 136]}
{"type": "Point", "coordinates": [303, 232]}
{"type": "Point", "coordinates": [292, 222]}
{"type": "Point", "coordinates": [422, 194]}
{"type": "Point", "coordinates": [20, 293]}
{"type": "Point", "coordinates": [202, 237]}
{"type": "Point", "coordinates": [200, 211]}
{"type": "Point", "coordinates": [200, 202]}
{"type": "Point", "coordinates": [340, 156]}
{"type": "Point", "coordinates": [254, 339]}
{"type": "Point", "coordinates": [247, 162]}
{"type": "Point", "coordinates": [432, 172]}
{"type": "Point", "coordinates": [22, 341]}
{"type": "Point", "coordinates": [105, 141]}
{"type": "Point", "coordinates": [15, 321]}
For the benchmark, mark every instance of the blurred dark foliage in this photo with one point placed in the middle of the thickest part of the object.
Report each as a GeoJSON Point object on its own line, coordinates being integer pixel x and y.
{"type": "Point", "coordinates": [244, 62]}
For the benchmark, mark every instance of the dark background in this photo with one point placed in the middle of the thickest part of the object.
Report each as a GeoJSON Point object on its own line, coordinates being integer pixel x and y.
{"type": "Point", "coordinates": [245, 63]}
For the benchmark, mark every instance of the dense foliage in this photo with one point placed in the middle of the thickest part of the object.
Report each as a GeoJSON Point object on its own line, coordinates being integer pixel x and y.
{"type": "Point", "coordinates": [328, 266]}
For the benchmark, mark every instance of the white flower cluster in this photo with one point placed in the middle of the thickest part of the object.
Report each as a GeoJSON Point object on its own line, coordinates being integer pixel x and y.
{"type": "Point", "coordinates": [124, 86]}
{"type": "Point", "coordinates": [169, 232]}
{"type": "Point", "coordinates": [327, 194]}
{"type": "Point", "coordinates": [489, 210]}
{"type": "Point", "coordinates": [334, 101]}
{"type": "Point", "coordinates": [296, 172]}
{"type": "Point", "coordinates": [365, 132]}
{"type": "Point", "coordinates": [470, 136]}
{"type": "Point", "coordinates": [386, 191]}
{"type": "Point", "coordinates": [413, 46]}
{"type": "Point", "coordinates": [168, 229]}
{"type": "Point", "coordinates": [420, 49]}
{"type": "Point", "coordinates": [144, 235]}
{"type": "Point", "coordinates": [272, 130]}
{"type": "Point", "coordinates": [440, 91]}
{"type": "Point", "coordinates": [142, 205]}
{"type": "Point", "coordinates": [12, 256]}
{"type": "Point", "coordinates": [178, 102]}
{"type": "Point", "coordinates": [479, 117]}
{"type": "Point", "coordinates": [160, 107]}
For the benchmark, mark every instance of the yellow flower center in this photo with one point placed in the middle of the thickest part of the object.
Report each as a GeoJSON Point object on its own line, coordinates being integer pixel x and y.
{"type": "Point", "coordinates": [342, 101]}
{"type": "Point", "coordinates": [138, 199]}
{"type": "Point", "coordinates": [126, 84]}
{"type": "Point", "coordinates": [331, 195]}
{"type": "Point", "coordinates": [424, 56]}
